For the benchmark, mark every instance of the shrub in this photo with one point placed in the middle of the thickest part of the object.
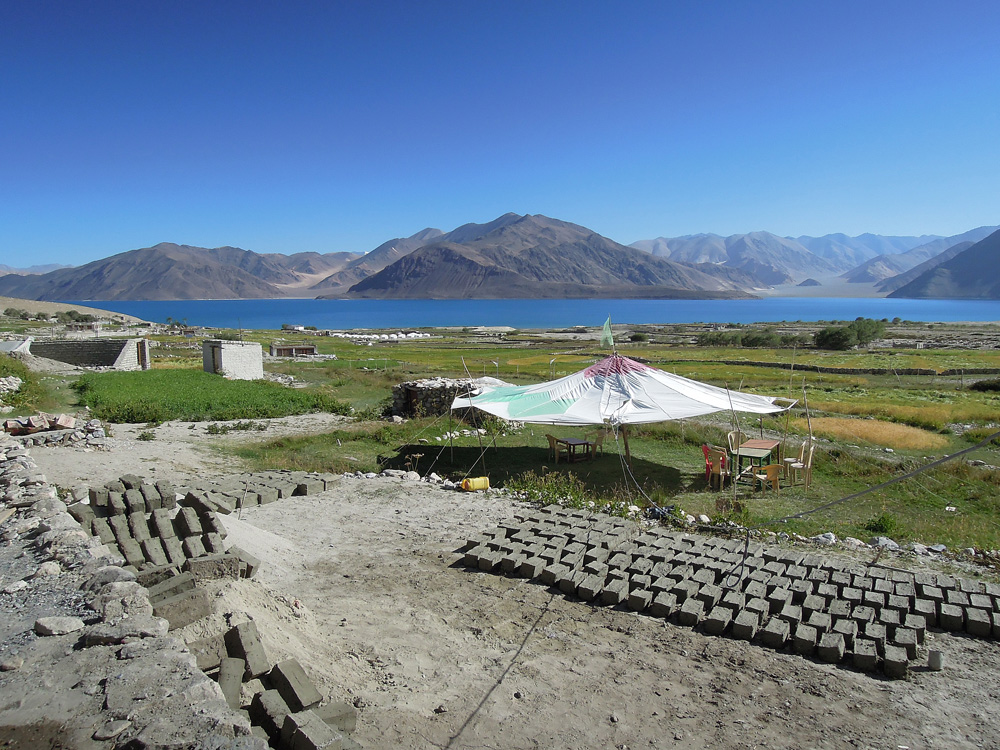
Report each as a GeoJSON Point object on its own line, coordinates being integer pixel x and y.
{"type": "Point", "coordinates": [638, 337]}
{"type": "Point", "coordinates": [836, 337]}
{"type": "Point", "coordinates": [885, 524]}
{"type": "Point", "coordinates": [986, 386]}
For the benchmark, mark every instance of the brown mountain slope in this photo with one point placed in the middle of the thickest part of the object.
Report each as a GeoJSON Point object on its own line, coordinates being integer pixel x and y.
{"type": "Point", "coordinates": [535, 256]}
{"type": "Point", "coordinates": [971, 274]}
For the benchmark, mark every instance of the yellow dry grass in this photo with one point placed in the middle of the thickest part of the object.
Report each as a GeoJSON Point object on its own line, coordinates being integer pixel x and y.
{"type": "Point", "coordinates": [876, 432]}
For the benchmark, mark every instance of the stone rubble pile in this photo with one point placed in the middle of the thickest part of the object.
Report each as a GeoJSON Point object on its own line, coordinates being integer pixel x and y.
{"type": "Point", "coordinates": [872, 617]}
{"type": "Point", "coordinates": [61, 430]}
{"type": "Point", "coordinates": [427, 397]}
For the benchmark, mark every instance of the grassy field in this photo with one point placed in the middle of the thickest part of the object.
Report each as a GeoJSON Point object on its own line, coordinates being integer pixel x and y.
{"type": "Point", "coordinates": [870, 428]}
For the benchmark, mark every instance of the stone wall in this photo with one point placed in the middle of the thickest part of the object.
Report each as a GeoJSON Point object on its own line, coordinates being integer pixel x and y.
{"type": "Point", "coordinates": [121, 354]}
{"type": "Point", "coordinates": [427, 397]}
{"type": "Point", "coordinates": [235, 360]}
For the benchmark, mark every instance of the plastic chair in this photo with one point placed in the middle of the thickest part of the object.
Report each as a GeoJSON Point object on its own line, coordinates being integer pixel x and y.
{"type": "Point", "coordinates": [596, 442]}
{"type": "Point", "coordinates": [708, 461]}
{"type": "Point", "coordinates": [735, 438]}
{"type": "Point", "coordinates": [769, 475]}
{"type": "Point", "coordinates": [556, 448]}
{"type": "Point", "coordinates": [789, 460]}
{"type": "Point", "coordinates": [802, 470]}
{"type": "Point", "coordinates": [718, 473]}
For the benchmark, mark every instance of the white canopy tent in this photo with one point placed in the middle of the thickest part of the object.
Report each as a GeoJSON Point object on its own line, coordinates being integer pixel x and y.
{"type": "Point", "coordinates": [616, 391]}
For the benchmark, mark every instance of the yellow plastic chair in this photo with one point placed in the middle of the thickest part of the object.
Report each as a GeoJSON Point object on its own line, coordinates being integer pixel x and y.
{"type": "Point", "coordinates": [718, 472]}
{"type": "Point", "coordinates": [596, 442]}
{"type": "Point", "coordinates": [770, 475]}
{"type": "Point", "coordinates": [801, 471]}
{"type": "Point", "coordinates": [556, 448]}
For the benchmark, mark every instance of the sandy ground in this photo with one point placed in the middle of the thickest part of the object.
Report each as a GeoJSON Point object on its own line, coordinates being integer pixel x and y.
{"type": "Point", "coordinates": [360, 584]}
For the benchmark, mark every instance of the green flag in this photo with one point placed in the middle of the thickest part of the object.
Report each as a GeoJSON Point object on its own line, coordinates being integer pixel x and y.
{"type": "Point", "coordinates": [606, 338]}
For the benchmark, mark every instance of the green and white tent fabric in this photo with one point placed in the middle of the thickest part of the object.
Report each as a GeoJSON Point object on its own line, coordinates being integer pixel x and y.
{"type": "Point", "coordinates": [615, 391]}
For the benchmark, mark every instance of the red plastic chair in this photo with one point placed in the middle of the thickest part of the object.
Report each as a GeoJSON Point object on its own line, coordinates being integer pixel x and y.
{"type": "Point", "coordinates": [708, 462]}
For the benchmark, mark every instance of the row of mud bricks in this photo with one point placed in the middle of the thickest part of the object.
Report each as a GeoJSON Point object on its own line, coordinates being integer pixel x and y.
{"type": "Point", "coordinates": [142, 519]}
{"type": "Point", "coordinates": [283, 704]}
{"type": "Point", "coordinates": [874, 618]}
{"type": "Point", "coordinates": [155, 524]}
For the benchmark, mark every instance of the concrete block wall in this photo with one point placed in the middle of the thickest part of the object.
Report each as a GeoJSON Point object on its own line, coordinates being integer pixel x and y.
{"type": "Point", "coordinates": [235, 360]}
{"type": "Point", "coordinates": [820, 607]}
{"type": "Point", "coordinates": [121, 354]}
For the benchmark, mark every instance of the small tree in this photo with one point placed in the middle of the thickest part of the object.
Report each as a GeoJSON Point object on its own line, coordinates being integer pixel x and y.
{"type": "Point", "coordinates": [836, 337]}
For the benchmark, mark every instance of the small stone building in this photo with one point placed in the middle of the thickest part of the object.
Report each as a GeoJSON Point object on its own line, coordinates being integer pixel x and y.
{"type": "Point", "coordinates": [293, 350]}
{"type": "Point", "coordinates": [235, 360]}
{"type": "Point", "coordinates": [432, 396]}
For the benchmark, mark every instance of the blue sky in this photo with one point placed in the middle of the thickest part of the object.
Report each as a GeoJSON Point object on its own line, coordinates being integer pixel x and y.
{"type": "Point", "coordinates": [329, 126]}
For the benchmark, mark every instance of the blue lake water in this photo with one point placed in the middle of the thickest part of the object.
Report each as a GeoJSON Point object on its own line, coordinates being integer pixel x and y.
{"type": "Point", "coordinates": [541, 313]}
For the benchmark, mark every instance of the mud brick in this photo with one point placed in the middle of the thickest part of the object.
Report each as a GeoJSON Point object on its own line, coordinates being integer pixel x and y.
{"type": "Point", "coordinates": [231, 680]}
{"type": "Point", "coordinates": [945, 582]}
{"type": "Point", "coordinates": [978, 623]}
{"type": "Point", "coordinates": [116, 486]}
{"type": "Point", "coordinates": [590, 587]}
{"type": "Point", "coordinates": [889, 617]}
{"type": "Point", "coordinates": [510, 563]}
{"type": "Point", "coordinates": [917, 624]}
{"type": "Point", "coordinates": [664, 604]}
{"type": "Point", "coordinates": [293, 685]}
{"type": "Point", "coordinates": [213, 567]}
{"type": "Point", "coordinates": [213, 543]}
{"type": "Point", "coordinates": [243, 642]}
{"type": "Point", "coordinates": [134, 502]}
{"type": "Point", "coordinates": [567, 580]}
{"type": "Point", "coordinates": [709, 595]}
{"type": "Point", "coordinates": [340, 715]}
{"type": "Point", "coordinates": [116, 504]}
{"type": "Point", "coordinates": [175, 551]}
{"type": "Point", "coordinates": [813, 603]}
{"type": "Point", "coordinates": [167, 493]}
{"type": "Point", "coordinates": [153, 551]}
{"type": "Point", "coordinates": [778, 598]}
{"type": "Point", "coordinates": [805, 639]}
{"type": "Point", "coordinates": [839, 609]}
{"type": "Point", "coordinates": [639, 582]}
{"type": "Point", "coordinates": [861, 615]}
{"type": "Point", "coordinates": [691, 612]}
{"type": "Point", "coordinates": [309, 487]}
{"type": "Point", "coordinates": [818, 575]}
{"type": "Point", "coordinates": [796, 572]}
{"type": "Point", "coordinates": [734, 600]}
{"type": "Point", "coordinates": [970, 586]}
{"type": "Point", "coordinates": [831, 647]}
{"type": "Point", "coordinates": [160, 524]}
{"type": "Point", "coordinates": [827, 591]}
{"type": "Point", "coordinates": [755, 590]}
{"type": "Point", "coordinates": [995, 619]}
{"type": "Point", "coordinates": [979, 601]}
{"type": "Point", "coordinates": [639, 599]}
{"type": "Point", "coordinates": [706, 576]}
{"type": "Point", "coordinates": [212, 524]}
{"type": "Point", "coordinates": [883, 586]}
{"type": "Point", "coordinates": [307, 731]}
{"type": "Point", "coordinates": [119, 526]}
{"type": "Point", "coordinates": [821, 621]}
{"type": "Point", "coordinates": [219, 502]}
{"type": "Point", "coordinates": [906, 639]}
{"type": "Point", "coordinates": [800, 590]}
{"type": "Point", "coordinates": [268, 711]}
{"type": "Point", "coordinates": [551, 573]}
{"type": "Point", "coordinates": [209, 652]}
{"type": "Point", "coordinates": [267, 495]}
{"type": "Point", "coordinates": [933, 593]}
{"type": "Point", "coordinates": [874, 599]}
{"type": "Point", "coordinates": [187, 522]}
{"type": "Point", "coordinates": [82, 512]}
{"type": "Point", "coordinates": [684, 590]}
{"type": "Point", "coordinates": [131, 481]}
{"type": "Point", "coordinates": [951, 618]}
{"type": "Point", "coordinates": [132, 553]}
{"type": "Point", "coordinates": [840, 579]}
{"type": "Point", "coordinates": [895, 664]}
{"type": "Point", "coordinates": [102, 530]}
{"type": "Point", "coordinates": [958, 598]}
{"type": "Point", "coordinates": [745, 625]}
{"type": "Point", "coordinates": [717, 620]}
{"type": "Point", "coordinates": [775, 633]}
{"type": "Point", "coordinates": [170, 586]}
{"type": "Point", "coordinates": [791, 613]}
{"type": "Point", "coordinates": [863, 582]}
{"type": "Point", "coordinates": [531, 568]}
{"type": "Point", "coordinates": [183, 609]}
{"type": "Point", "coordinates": [875, 631]}
{"type": "Point", "coordinates": [138, 527]}
{"type": "Point", "coordinates": [848, 629]}
{"type": "Point", "coordinates": [151, 496]}
{"type": "Point", "coordinates": [906, 589]}
{"type": "Point", "coordinates": [99, 497]}
{"type": "Point", "coordinates": [193, 547]}
{"type": "Point", "coordinates": [865, 655]}
{"type": "Point", "coordinates": [615, 592]}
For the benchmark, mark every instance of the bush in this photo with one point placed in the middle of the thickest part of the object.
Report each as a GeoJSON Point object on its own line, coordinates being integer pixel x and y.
{"type": "Point", "coordinates": [836, 337]}
{"type": "Point", "coordinates": [886, 524]}
{"type": "Point", "coordinates": [986, 386]}
{"type": "Point", "coordinates": [637, 338]}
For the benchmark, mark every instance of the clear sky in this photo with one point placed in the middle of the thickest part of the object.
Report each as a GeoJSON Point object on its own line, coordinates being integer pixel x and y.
{"type": "Point", "coordinates": [328, 126]}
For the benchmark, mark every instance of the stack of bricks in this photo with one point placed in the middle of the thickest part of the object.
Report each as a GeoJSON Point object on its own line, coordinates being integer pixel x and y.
{"type": "Point", "coordinates": [283, 705]}
{"type": "Point", "coordinates": [872, 617]}
{"type": "Point", "coordinates": [249, 490]}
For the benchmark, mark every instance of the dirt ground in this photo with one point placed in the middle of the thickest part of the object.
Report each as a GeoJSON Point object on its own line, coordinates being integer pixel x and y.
{"type": "Point", "coordinates": [361, 585]}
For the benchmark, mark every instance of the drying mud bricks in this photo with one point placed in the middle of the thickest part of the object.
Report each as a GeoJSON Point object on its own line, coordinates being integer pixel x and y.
{"type": "Point", "coordinates": [873, 618]}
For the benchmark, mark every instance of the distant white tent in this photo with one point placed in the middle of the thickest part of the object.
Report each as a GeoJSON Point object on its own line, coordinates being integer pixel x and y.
{"type": "Point", "coordinates": [616, 391]}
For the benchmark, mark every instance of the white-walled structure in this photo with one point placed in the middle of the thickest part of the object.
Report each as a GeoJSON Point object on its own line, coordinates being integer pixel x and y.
{"type": "Point", "coordinates": [235, 360]}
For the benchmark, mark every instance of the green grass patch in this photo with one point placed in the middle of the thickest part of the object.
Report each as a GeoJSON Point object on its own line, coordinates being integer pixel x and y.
{"type": "Point", "coordinates": [161, 395]}
{"type": "Point", "coordinates": [32, 394]}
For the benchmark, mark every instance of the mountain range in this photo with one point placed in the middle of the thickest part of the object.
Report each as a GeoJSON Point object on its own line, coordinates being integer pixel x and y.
{"type": "Point", "coordinates": [534, 256]}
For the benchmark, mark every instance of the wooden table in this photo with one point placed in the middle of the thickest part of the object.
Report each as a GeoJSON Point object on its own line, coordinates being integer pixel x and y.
{"type": "Point", "coordinates": [754, 450]}
{"type": "Point", "coordinates": [572, 444]}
